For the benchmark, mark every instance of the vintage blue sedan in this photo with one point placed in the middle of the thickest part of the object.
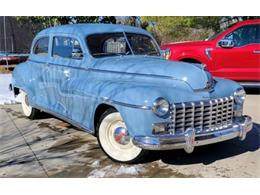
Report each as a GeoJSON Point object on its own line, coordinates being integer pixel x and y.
{"type": "Point", "coordinates": [113, 82]}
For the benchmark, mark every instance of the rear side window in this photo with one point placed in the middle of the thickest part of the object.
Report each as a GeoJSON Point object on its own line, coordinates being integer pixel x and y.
{"type": "Point", "coordinates": [66, 47]}
{"type": "Point", "coordinates": [41, 46]}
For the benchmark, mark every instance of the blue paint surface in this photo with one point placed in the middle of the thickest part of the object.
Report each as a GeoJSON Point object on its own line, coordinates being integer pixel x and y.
{"type": "Point", "coordinates": [75, 88]}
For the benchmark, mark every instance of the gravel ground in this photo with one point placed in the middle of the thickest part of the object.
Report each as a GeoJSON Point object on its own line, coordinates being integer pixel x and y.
{"type": "Point", "coordinates": [49, 147]}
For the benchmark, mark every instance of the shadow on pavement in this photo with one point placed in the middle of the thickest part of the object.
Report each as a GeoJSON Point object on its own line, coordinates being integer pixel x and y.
{"type": "Point", "coordinates": [203, 154]}
{"type": "Point", "coordinates": [210, 153]}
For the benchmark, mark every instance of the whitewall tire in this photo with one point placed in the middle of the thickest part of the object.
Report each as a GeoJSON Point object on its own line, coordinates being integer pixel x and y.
{"type": "Point", "coordinates": [28, 110]}
{"type": "Point", "coordinates": [114, 139]}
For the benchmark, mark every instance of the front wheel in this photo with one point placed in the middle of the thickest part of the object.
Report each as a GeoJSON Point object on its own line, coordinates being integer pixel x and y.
{"type": "Point", "coordinates": [114, 139]}
{"type": "Point", "coordinates": [28, 110]}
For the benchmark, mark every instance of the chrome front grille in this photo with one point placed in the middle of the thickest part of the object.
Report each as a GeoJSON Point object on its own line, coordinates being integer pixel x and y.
{"type": "Point", "coordinates": [202, 115]}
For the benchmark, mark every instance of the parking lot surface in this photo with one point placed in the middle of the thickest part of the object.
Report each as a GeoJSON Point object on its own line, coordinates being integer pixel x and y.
{"type": "Point", "coordinates": [49, 147]}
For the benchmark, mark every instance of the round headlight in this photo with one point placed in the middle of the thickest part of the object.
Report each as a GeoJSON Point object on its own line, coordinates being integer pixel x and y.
{"type": "Point", "coordinates": [239, 96]}
{"type": "Point", "coordinates": [161, 107]}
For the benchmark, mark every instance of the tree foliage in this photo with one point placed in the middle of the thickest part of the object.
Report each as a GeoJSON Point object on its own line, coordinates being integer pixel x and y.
{"type": "Point", "coordinates": [40, 22]}
{"type": "Point", "coordinates": [188, 28]}
{"type": "Point", "coordinates": [164, 28]}
{"type": "Point", "coordinates": [177, 28]}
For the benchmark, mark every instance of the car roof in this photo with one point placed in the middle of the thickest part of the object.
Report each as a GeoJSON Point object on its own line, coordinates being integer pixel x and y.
{"type": "Point", "coordinates": [87, 29]}
{"type": "Point", "coordinates": [254, 21]}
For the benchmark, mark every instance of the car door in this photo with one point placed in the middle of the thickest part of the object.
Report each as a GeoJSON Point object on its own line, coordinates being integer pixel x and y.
{"type": "Point", "coordinates": [66, 58]}
{"type": "Point", "coordinates": [38, 62]}
{"type": "Point", "coordinates": [242, 61]}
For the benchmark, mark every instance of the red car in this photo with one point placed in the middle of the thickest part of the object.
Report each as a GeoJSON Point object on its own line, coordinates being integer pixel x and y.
{"type": "Point", "coordinates": [12, 59]}
{"type": "Point", "coordinates": [232, 54]}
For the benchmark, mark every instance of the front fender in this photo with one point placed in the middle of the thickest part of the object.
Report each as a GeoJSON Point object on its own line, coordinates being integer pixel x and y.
{"type": "Point", "coordinates": [132, 99]}
{"type": "Point", "coordinates": [224, 87]}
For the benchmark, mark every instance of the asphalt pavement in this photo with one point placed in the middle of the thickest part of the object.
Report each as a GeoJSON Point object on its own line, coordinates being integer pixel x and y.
{"type": "Point", "coordinates": [49, 147]}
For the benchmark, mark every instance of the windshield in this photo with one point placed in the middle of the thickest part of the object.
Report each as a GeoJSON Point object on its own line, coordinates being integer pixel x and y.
{"type": "Point", "coordinates": [215, 35]}
{"type": "Point", "coordinates": [111, 44]}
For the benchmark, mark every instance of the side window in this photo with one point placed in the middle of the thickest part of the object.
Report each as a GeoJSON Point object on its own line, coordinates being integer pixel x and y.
{"type": "Point", "coordinates": [258, 34]}
{"type": "Point", "coordinates": [66, 47]}
{"type": "Point", "coordinates": [244, 35]}
{"type": "Point", "coordinates": [41, 46]}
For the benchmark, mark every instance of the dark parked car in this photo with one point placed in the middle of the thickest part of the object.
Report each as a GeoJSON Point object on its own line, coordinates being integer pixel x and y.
{"type": "Point", "coordinates": [12, 58]}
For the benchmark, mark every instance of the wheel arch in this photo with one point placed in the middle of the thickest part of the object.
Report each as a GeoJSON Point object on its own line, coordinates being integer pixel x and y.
{"type": "Point", "coordinates": [191, 60]}
{"type": "Point", "coordinates": [100, 109]}
{"type": "Point", "coordinates": [16, 91]}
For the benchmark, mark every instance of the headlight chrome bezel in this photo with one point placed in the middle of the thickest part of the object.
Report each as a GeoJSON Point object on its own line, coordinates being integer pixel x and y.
{"type": "Point", "coordinates": [161, 107]}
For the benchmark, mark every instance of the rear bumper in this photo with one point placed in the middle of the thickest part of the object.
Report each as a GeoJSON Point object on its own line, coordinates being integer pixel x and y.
{"type": "Point", "coordinates": [190, 139]}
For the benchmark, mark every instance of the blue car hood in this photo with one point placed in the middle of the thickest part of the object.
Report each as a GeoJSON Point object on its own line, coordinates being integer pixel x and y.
{"type": "Point", "coordinates": [192, 74]}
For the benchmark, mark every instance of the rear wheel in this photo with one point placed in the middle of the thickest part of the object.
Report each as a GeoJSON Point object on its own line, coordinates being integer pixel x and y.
{"type": "Point", "coordinates": [114, 139]}
{"type": "Point", "coordinates": [28, 110]}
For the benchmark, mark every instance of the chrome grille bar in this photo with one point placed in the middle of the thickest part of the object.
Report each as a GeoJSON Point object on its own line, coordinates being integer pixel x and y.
{"type": "Point", "coordinates": [183, 117]}
{"type": "Point", "coordinates": [208, 115]}
{"type": "Point", "coordinates": [201, 115]}
{"type": "Point", "coordinates": [192, 114]}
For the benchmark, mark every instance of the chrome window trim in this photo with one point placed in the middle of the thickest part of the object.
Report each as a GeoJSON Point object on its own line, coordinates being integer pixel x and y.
{"type": "Point", "coordinates": [65, 36]}
{"type": "Point", "coordinates": [32, 52]}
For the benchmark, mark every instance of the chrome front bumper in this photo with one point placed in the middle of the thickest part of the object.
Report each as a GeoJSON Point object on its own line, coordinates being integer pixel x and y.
{"type": "Point", "coordinates": [190, 139]}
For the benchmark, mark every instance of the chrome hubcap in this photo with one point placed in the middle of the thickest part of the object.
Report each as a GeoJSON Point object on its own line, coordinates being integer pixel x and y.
{"type": "Point", "coordinates": [121, 136]}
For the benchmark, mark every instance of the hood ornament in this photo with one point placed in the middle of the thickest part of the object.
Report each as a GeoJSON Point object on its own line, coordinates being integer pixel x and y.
{"type": "Point", "coordinates": [210, 85]}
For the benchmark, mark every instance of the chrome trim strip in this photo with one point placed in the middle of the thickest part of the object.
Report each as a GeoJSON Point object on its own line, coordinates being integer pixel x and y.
{"type": "Point", "coordinates": [202, 111]}
{"type": "Point", "coordinates": [64, 66]}
{"type": "Point", "coordinates": [251, 84]}
{"type": "Point", "coordinates": [256, 51]}
{"type": "Point", "coordinates": [210, 116]}
{"type": "Point", "coordinates": [133, 73]}
{"type": "Point", "coordinates": [208, 53]}
{"type": "Point", "coordinates": [106, 100]}
{"type": "Point", "coordinates": [183, 117]}
{"type": "Point", "coordinates": [110, 71]}
{"type": "Point", "coordinates": [192, 114]}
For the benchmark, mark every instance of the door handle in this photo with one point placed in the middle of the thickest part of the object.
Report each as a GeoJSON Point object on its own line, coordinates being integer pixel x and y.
{"type": "Point", "coordinates": [256, 51]}
{"type": "Point", "coordinates": [66, 73]}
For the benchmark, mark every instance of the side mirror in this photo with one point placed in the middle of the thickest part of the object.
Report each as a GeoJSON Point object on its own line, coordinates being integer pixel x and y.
{"type": "Point", "coordinates": [77, 54]}
{"type": "Point", "coordinates": [166, 53]}
{"type": "Point", "coordinates": [225, 43]}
